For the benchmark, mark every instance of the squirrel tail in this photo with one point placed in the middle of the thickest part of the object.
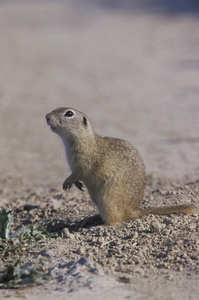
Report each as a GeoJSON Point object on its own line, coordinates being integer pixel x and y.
{"type": "Point", "coordinates": [175, 209]}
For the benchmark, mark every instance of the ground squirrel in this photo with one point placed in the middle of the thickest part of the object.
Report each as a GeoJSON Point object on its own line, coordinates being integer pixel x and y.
{"type": "Point", "coordinates": [110, 168]}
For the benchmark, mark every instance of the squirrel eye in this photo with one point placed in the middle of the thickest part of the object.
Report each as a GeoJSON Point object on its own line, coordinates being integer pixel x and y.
{"type": "Point", "coordinates": [69, 113]}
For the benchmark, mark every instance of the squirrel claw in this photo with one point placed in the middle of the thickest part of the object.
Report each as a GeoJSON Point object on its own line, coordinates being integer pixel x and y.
{"type": "Point", "coordinates": [79, 185]}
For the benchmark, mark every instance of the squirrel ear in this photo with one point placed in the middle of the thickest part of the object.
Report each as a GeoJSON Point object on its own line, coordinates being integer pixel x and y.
{"type": "Point", "coordinates": [85, 121]}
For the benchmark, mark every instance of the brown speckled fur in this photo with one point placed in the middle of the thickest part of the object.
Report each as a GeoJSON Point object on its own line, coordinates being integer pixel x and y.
{"type": "Point", "coordinates": [111, 169]}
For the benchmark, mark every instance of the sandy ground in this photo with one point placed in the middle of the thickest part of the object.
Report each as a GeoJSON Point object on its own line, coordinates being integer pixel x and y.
{"type": "Point", "coordinates": [133, 68]}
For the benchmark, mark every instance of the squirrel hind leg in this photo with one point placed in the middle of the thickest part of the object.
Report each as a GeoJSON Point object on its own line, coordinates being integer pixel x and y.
{"type": "Point", "coordinates": [120, 217]}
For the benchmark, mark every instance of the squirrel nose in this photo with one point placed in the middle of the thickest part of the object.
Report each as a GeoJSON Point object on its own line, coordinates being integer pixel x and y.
{"type": "Point", "coordinates": [48, 118]}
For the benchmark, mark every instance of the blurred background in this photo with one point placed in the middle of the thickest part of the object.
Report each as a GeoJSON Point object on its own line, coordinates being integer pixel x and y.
{"type": "Point", "coordinates": [131, 66]}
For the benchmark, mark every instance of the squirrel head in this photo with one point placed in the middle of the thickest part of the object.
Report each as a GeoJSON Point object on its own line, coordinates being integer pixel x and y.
{"type": "Point", "coordinates": [70, 124]}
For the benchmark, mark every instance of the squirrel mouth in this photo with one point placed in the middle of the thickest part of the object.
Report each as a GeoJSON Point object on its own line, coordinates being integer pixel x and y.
{"type": "Point", "coordinates": [49, 122]}
{"type": "Point", "coordinates": [53, 127]}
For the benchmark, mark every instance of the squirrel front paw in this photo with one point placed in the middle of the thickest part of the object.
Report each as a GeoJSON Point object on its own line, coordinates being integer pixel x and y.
{"type": "Point", "coordinates": [67, 184]}
{"type": "Point", "coordinates": [79, 185]}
